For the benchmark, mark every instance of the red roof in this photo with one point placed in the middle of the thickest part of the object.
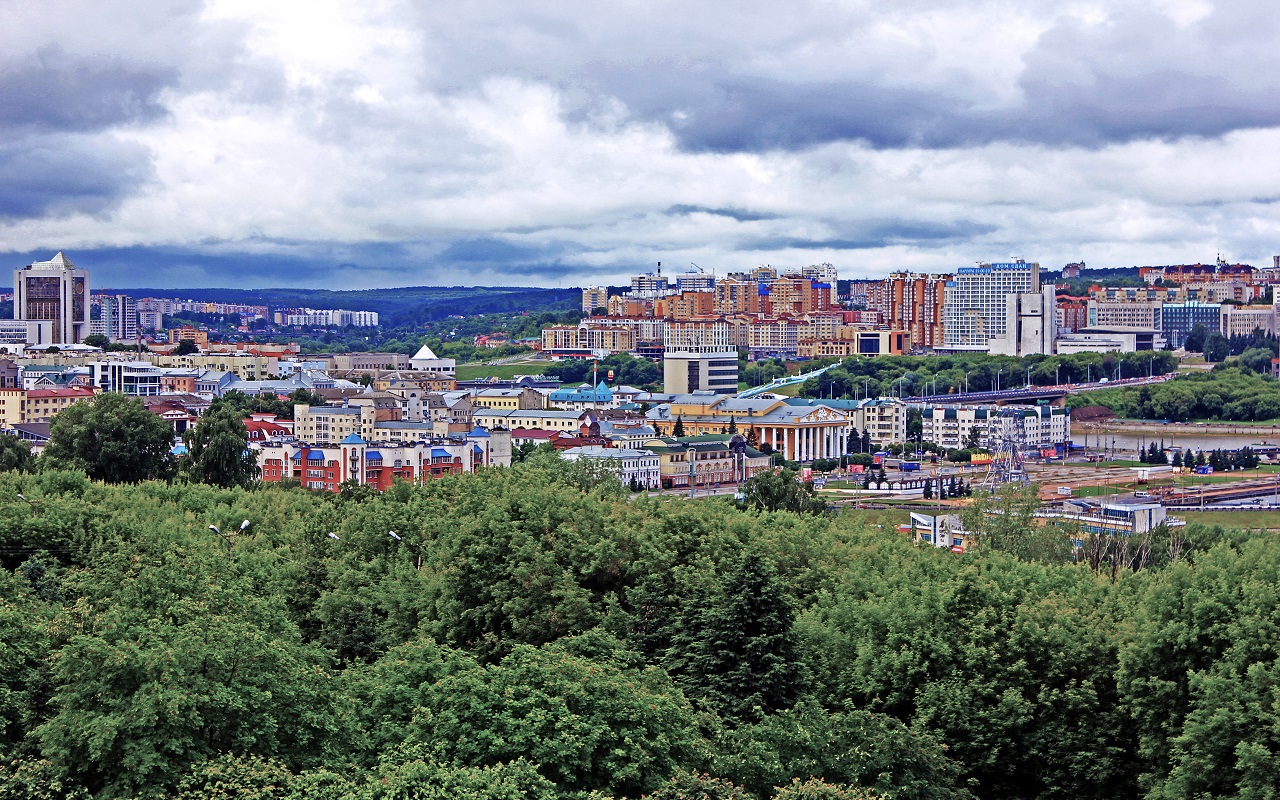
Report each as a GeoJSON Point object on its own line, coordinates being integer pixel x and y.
{"type": "Point", "coordinates": [71, 391]}
{"type": "Point", "coordinates": [532, 433]}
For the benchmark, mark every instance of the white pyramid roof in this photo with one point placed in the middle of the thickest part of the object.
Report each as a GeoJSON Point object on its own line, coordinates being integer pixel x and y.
{"type": "Point", "coordinates": [424, 353]}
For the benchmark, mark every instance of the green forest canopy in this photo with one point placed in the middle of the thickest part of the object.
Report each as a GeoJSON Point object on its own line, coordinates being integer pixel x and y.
{"type": "Point", "coordinates": [535, 634]}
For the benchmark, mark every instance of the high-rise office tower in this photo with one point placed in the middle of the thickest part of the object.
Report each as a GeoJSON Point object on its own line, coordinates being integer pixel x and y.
{"type": "Point", "coordinates": [52, 297]}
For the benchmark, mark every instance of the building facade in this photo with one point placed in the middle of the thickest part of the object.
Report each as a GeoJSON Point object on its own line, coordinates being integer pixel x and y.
{"type": "Point", "coordinates": [1178, 319]}
{"type": "Point", "coordinates": [52, 298]}
{"type": "Point", "coordinates": [636, 468]}
{"type": "Point", "coordinates": [914, 303]}
{"type": "Point", "coordinates": [974, 310]}
{"type": "Point", "coordinates": [687, 372]}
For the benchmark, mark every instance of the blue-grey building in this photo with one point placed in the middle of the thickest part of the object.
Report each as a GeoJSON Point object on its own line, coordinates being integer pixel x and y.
{"type": "Point", "coordinates": [1177, 320]}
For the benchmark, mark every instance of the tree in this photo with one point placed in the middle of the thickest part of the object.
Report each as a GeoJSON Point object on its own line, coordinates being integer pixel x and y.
{"type": "Point", "coordinates": [15, 454]}
{"type": "Point", "coordinates": [181, 659]}
{"type": "Point", "coordinates": [218, 451]}
{"type": "Point", "coordinates": [186, 347]}
{"type": "Point", "coordinates": [96, 340]}
{"type": "Point", "coordinates": [1177, 458]}
{"type": "Point", "coordinates": [1216, 347]}
{"type": "Point", "coordinates": [111, 438]}
{"type": "Point", "coordinates": [1196, 338]}
{"type": "Point", "coordinates": [587, 724]}
{"type": "Point", "coordinates": [915, 423]}
{"type": "Point", "coordinates": [1007, 522]}
{"type": "Point", "coordinates": [678, 430]}
{"type": "Point", "coordinates": [735, 648]}
{"type": "Point", "coordinates": [928, 489]}
{"type": "Point", "coordinates": [699, 786]}
{"type": "Point", "coordinates": [733, 425]}
{"type": "Point", "coordinates": [972, 441]}
{"type": "Point", "coordinates": [781, 490]}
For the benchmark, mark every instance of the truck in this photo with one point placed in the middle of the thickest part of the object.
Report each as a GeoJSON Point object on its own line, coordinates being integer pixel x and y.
{"type": "Point", "coordinates": [909, 466]}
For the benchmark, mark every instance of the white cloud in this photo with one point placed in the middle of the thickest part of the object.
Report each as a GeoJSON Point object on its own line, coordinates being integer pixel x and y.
{"type": "Point", "coordinates": [566, 134]}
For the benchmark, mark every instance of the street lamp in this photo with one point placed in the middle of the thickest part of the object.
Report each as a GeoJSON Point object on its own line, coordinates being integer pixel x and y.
{"type": "Point", "coordinates": [999, 372]}
{"type": "Point", "coordinates": [244, 526]}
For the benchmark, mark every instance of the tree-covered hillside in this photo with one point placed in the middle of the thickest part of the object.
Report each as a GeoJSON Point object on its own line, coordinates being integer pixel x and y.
{"type": "Point", "coordinates": [532, 632]}
{"type": "Point", "coordinates": [398, 307]}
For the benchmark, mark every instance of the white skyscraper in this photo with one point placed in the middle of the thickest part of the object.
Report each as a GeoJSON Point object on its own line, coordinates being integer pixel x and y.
{"type": "Point", "coordinates": [120, 317]}
{"type": "Point", "coordinates": [974, 306]}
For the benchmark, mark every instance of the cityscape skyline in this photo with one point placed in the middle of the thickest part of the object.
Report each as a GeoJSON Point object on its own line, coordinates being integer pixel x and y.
{"type": "Point", "coordinates": [223, 143]}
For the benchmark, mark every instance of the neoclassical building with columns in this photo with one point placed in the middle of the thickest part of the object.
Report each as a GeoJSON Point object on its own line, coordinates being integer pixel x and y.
{"type": "Point", "coordinates": [800, 433]}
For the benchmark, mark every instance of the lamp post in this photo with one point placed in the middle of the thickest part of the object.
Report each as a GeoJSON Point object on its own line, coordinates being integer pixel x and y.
{"type": "Point", "coordinates": [244, 526]}
{"type": "Point", "coordinates": [999, 372]}
{"type": "Point", "coordinates": [416, 550]}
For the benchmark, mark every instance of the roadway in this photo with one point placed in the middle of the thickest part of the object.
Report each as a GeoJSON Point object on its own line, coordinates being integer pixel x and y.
{"type": "Point", "coordinates": [1034, 392]}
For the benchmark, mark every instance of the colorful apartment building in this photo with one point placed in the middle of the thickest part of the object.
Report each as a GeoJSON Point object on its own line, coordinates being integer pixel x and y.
{"type": "Point", "coordinates": [326, 468]}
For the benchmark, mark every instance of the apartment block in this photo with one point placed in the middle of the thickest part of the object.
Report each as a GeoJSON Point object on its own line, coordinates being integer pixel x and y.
{"type": "Point", "coordinates": [913, 303]}
{"type": "Point", "coordinates": [594, 297]}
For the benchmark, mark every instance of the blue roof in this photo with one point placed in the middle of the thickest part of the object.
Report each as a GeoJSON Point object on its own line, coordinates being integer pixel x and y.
{"type": "Point", "coordinates": [315, 455]}
{"type": "Point", "coordinates": [477, 448]}
{"type": "Point", "coordinates": [353, 439]}
{"type": "Point", "coordinates": [440, 452]}
{"type": "Point", "coordinates": [372, 455]}
{"type": "Point", "coordinates": [479, 433]}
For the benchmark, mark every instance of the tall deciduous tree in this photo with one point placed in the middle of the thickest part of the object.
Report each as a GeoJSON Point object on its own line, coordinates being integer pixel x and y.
{"type": "Point", "coordinates": [781, 490]}
{"type": "Point", "coordinates": [218, 451]}
{"type": "Point", "coordinates": [15, 454]}
{"type": "Point", "coordinates": [111, 438]}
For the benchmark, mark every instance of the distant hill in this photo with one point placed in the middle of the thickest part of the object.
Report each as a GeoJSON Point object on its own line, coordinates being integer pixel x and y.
{"type": "Point", "coordinates": [405, 305]}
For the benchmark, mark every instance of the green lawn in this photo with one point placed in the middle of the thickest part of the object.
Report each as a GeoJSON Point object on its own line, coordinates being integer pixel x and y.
{"type": "Point", "coordinates": [890, 518]}
{"type": "Point", "coordinates": [1234, 519]}
{"type": "Point", "coordinates": [470, 372]}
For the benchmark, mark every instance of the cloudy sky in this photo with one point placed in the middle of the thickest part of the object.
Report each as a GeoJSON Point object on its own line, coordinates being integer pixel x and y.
{"type": "Point", "coordinates": [168, 143]}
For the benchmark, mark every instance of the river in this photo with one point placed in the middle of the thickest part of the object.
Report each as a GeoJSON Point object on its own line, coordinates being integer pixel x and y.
{"type": "Point", "coordinates": [1126, 443]}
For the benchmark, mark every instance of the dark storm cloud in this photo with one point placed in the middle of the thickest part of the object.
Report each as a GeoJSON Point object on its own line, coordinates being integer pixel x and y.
{"type": "Point", "coordinates": [60, 174]}
{"type": "Point", "coordinates": [1139, 75]}
{"type": "Point", "coordinates": [265, 263]}
{"type": "Point", "coordinates": [877, 234]}
{"type": "Point", "coordinates": [54, 90]}
{"type": "Point", "coordinates": [552, 260]}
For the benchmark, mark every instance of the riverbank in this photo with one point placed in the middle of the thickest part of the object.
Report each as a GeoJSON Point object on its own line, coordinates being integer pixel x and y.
{"type": "Point", "coordinates": [1182, 428]}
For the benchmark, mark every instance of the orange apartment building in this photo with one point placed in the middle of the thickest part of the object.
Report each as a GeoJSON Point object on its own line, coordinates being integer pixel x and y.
{"type": "Point", "coordinates": [737, 297]}
{"type": "Point", "coordinates": [685, 305]}
{"type": "Point", "coordinates": [913, 303]}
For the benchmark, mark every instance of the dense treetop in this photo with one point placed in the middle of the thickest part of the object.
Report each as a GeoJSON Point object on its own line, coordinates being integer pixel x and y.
{"type": "Point", "coordinates": [538, 633]}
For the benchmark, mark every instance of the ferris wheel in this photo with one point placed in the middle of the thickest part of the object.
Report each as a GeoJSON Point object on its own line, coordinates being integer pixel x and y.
{"type": "Point", "coordinates": [1009, 453]}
